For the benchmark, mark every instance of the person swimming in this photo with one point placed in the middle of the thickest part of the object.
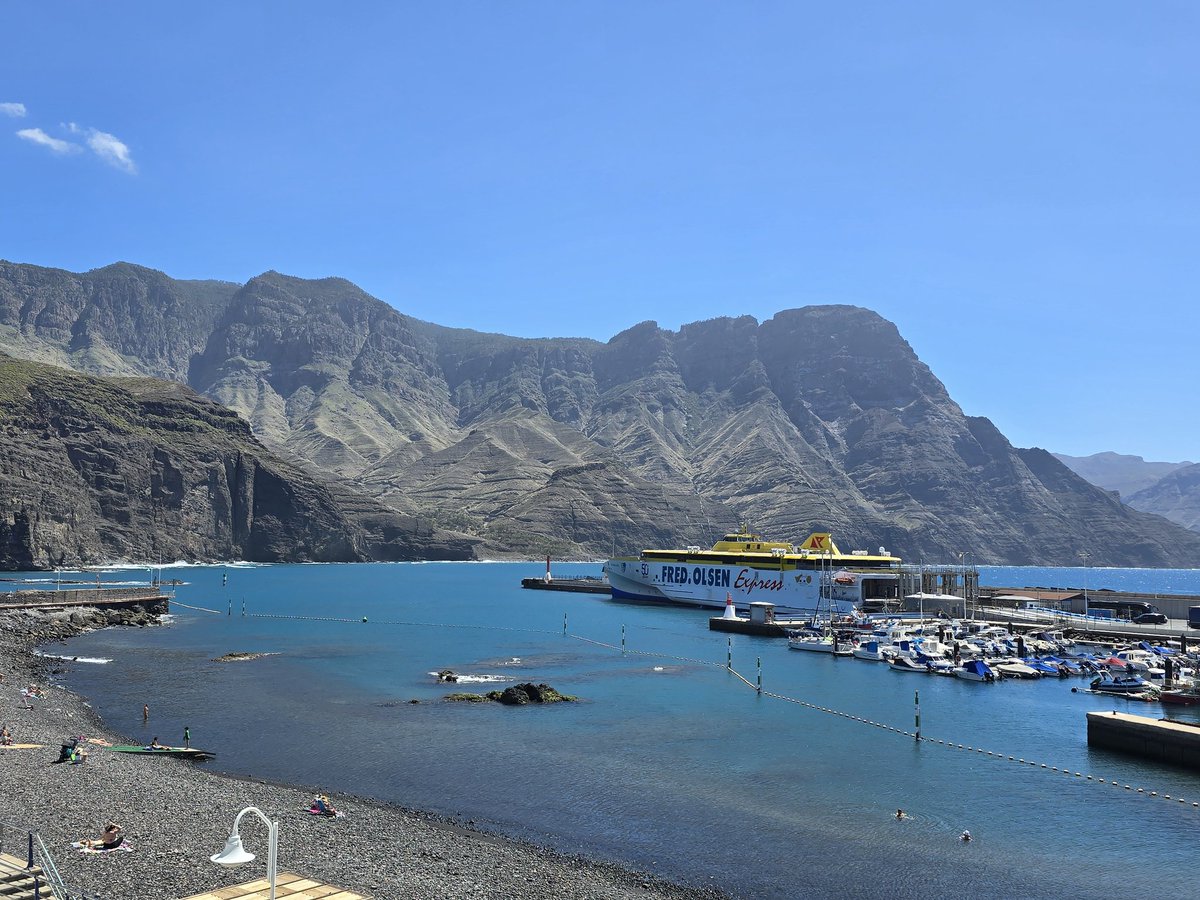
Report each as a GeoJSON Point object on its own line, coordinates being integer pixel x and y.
{"type": "Point", "coordinates": [965, 837]}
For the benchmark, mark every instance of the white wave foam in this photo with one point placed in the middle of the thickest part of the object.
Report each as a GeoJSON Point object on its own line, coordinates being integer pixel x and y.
{"type": "Point", "coordinates": [98, 660]}
{"type": "Point", "coordinates": [475, 679]}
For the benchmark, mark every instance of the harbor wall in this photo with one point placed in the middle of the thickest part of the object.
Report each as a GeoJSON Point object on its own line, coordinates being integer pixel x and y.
{"type": "Point", "coordinates": [1164, 741]}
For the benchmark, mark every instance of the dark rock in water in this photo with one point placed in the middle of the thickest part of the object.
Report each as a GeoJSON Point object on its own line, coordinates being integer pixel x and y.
{"type": "Point", "coordinates": [521, 694]}
{"type": "Point", "coordinates": [447, 675]}
{"type": "Point", "coordinates": [241, 655]}
{"type": "Point", "coordinates": [516, 695]}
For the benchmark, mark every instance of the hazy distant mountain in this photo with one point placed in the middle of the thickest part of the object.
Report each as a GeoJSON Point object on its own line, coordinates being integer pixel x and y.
{"type": "Point", "coordinates": [1175, 496]}
{"type": "Point", "coordinates": [1119, 472]}
{"type": "Point", "coordinates": [820, 418]}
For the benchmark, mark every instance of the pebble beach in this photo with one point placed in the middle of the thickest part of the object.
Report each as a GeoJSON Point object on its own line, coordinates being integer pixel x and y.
{"type": "Point", "coordinates": [175, 815]}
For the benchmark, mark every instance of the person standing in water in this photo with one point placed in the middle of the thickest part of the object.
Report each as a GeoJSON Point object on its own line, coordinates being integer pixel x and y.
{"type": "Point", "coordinates": [187, 736]}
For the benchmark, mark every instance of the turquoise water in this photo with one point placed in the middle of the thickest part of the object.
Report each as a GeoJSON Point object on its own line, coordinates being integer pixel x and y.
{"type": "Point", "coordinates": [669, 763]}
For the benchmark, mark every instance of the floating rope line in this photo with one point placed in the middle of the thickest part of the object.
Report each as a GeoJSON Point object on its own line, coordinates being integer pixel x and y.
{"type": "Point", "coordinates": [949, 745]}
{"type": "Point", "coordinates": [215, 612]}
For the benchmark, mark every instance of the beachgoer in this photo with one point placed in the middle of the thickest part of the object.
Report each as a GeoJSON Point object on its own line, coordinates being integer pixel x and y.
{"type": "Point", "coordinates": [5, 736]}
{"type": "Point", "coordinates": [322, 806]}
{"type": "Point", "coordinates": [154, 744]}
{"type": "Point", "coordinates": [187, 736]}
{"type": "Point", "coordinates": [111, 838]}
{"type": "Point", "coordinates": [145, 711]}
{"type": "Point", "coordinates": [899, 814]}
{"type": "Point", "coordinates": [965, 837]}
{"type": "Point", "coordinates": [77, 755]}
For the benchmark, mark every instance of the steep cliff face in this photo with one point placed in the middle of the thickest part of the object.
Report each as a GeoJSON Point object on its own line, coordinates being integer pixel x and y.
{"type": "Point", "coordinates": [101, 469]}
{"type": "Point", "coordinates": [820, 418]}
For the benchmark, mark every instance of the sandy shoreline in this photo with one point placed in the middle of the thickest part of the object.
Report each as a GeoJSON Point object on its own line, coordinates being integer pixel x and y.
{"type": "Point", "coordinates": [176, 815]}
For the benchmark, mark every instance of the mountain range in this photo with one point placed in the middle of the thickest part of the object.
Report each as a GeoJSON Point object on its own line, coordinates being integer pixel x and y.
{"type": "Point", "coordinates": [1167, 489]}
{"type": "Point", "coordinates": [818, 419]}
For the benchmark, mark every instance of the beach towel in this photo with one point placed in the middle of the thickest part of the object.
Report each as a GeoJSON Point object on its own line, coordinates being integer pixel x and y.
{"type": "Point", "coordinates": [122, 847]}
{"type": "Point", "coordinates": [21, 746]}
{"type": "Point", "coordinates": [327, 812]}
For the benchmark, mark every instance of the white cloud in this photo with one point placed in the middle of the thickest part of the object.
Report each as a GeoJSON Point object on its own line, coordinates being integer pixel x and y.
{"type": "Point", "coordinates": [110, 149]}
{"type": "Point", "coordinates": [16, 110]}
{"type": "Point", "coordinates": [54, 145]}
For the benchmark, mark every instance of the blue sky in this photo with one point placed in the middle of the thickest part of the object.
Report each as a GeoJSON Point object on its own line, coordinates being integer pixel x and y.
{"type": "Point", "coordinates": [1014, 185]}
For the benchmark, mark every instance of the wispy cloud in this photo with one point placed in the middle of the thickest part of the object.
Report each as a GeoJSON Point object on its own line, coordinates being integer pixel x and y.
{"type": "Point", "coordinates": [16, 110]}
{"type": "Point", "coordinates": [110, 149]}
{"type": "Point", "coordinates": [53, 144]}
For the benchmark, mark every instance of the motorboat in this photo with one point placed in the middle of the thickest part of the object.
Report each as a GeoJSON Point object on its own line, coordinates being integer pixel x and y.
{"type": "Point", "coordinates": [1047, 667]}
{"type": "Point", "coordinates": [827, 643]}
{"type": "Point", "coordinates": [873, 651]}
{"type": "Point", "coordinates": [1184, 696]}
{"type": "Point", "coordinates": [1014, 668]}
{"type": "Point", "coordinates": [1121, 684]}
{"type": "Point", "coordinates": [975, 670]}
{"type": "Point", "coordinates": [901, 663]}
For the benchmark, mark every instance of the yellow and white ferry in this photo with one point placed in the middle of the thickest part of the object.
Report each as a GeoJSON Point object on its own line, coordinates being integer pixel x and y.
{"type": "Point", "coordinates": [813, 578]}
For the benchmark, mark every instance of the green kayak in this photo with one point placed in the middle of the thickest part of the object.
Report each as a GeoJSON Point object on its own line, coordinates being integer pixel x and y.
{"type": "Point", "coordinates": [189, 752]}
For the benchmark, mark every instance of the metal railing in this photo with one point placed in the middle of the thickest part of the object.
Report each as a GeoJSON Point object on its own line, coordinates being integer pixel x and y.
{"type": "Point", "coordinates": [49, 885]}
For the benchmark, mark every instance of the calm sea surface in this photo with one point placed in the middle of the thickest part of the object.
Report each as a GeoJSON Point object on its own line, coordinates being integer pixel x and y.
{"type": "Point", "coordinates": [670, 763]}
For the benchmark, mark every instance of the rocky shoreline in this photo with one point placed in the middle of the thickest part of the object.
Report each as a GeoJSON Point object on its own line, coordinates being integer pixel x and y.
{"type": "Point", "coordinates": [176, 815]}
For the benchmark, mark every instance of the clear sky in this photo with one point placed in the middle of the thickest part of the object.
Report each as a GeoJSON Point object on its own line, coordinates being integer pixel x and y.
{"type": "Point", "coordinates": [1013, 184]}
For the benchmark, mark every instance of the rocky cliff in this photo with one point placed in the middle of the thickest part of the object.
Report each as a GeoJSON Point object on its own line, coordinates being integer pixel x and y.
{"type": "Point", "coordinates": [820, 418]}
{"type": "Point", "coordinates": [93, 470]}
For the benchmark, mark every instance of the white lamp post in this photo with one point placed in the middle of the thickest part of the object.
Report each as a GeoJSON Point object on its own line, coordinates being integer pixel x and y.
{"type": "Point", "coordinates": [235, 854]}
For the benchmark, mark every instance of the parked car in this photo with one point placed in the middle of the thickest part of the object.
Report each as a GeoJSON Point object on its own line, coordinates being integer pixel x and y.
{"type": "Point", "coordinates": [1151, 619]}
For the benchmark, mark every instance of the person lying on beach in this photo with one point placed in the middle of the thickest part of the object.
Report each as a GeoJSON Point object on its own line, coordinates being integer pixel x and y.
{"type": "Point", "coordinates": [322, 807]}
{"type": "Point", "coordinates": [154, 744]}
{"type": "Point", "coordinates": [5, 736]}
{"type": "Point", "coordinates": [111, 838]}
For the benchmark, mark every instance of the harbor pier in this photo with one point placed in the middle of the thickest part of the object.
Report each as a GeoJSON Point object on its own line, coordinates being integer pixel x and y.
{"type": "Point", "coordinates": [1162, 740]}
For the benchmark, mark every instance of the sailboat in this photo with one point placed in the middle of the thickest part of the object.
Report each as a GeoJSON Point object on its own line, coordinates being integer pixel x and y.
{"type": "Point", "coordinates": [821, 636]}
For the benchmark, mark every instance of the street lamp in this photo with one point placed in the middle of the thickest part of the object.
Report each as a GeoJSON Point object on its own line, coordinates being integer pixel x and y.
{"type": "Point", "coordinates": [235, 854]}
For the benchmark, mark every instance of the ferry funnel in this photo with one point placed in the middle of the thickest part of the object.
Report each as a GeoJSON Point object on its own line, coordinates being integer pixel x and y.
{"type": "Point", "coordinates": [730, 612]}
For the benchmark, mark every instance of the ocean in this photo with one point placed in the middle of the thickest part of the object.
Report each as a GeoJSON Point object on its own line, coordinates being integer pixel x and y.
{"type": "Point", "coordinates": [669, 763]}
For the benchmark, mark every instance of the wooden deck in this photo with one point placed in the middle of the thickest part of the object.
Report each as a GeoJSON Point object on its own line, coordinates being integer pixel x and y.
{"type": "Point", "coordinates": [287, 885]}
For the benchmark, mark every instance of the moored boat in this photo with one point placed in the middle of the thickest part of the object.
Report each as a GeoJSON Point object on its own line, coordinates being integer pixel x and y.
{"type": "Point", "coordinates": [798, 580]}
{"type": "Point", "coordinates": [975, 670]}
{"type": "Point", "coordinates": [1121, 684]}
{"type": "Point", "coordinates": [827, 643]}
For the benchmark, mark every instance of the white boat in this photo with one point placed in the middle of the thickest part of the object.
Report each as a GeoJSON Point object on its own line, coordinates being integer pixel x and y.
{"type": "Point", "coordinates": [827, 643]}
{"type": "Point", "coordinates": [975, 670]}
{"type": "Point", "coordinates": [799, 581]}
{"type": "Point", "coordinates": [907, 664]}
{"type": "Point", "coordinates": [873, 651]}
{"type": "Point", "coordinates": [1014, 668]}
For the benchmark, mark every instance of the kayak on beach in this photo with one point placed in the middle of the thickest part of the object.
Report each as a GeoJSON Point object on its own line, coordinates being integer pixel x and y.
{"type": "Point", "coordinates": [189, 752]}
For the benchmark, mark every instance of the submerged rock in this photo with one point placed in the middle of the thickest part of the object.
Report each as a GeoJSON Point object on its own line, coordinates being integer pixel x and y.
{"type": "Point", "coordinates": [239, 656]}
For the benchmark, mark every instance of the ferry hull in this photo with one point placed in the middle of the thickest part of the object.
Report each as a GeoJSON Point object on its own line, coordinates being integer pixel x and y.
{"type": "Point", "coordinates": [794, 593]}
